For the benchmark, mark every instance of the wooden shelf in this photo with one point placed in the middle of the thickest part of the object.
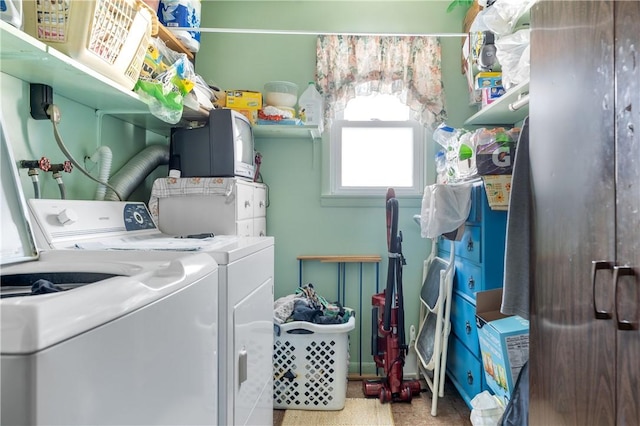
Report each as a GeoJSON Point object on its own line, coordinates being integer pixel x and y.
{"type": "Point", "coordinates": [498, 113]}
{"type": "Point", "coordinates": [349, 258]}
{"type": "Point", "coordinates": [173, 43]}
{"type": "Point", "coordinates": [32, 61]}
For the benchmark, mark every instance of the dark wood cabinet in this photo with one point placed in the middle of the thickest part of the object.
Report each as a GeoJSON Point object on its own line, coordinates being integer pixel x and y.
{"type": "Point", "coordinates": [585, 170]}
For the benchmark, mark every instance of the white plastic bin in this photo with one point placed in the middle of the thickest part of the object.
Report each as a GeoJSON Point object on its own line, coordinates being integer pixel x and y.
{"type": "Point", "coordinates": [108, 36]}
{"type": "Point", "coordinates": [310, 370]}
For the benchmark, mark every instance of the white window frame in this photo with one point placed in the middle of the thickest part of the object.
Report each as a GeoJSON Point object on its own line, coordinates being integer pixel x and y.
{"type": "Point", "coordinates": [335, 167]}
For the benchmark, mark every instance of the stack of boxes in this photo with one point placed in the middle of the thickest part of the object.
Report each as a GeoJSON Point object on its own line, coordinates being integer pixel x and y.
{"type": "Point", "coordinates": [495, 153]}
{"type": "Point", "coordinates": [246, 102]}
{"type": "Point", "coordinates": [490, 86]}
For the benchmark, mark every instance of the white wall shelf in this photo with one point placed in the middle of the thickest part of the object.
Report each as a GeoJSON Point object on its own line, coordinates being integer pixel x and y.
{"type": "Point", "coordinates": [32, 61]}
{"type": "Point", "coordinates": [499, 112]}
{"type": "Point", "coordinates": [274, 131]}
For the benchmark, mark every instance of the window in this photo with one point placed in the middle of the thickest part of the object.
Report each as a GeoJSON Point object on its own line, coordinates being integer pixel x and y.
{"type": "Point", "coordinates": [376, 146]}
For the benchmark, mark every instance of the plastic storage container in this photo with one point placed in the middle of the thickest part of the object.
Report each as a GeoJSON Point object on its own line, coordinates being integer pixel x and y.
{"type": "Point", "coordinates": [310, 106]}
{"type": "Point", "coordinates": [11, 12]}
{"type": "Point", "coordinates": [281, 94]}
{"type": "Point", "coordinates": [310, 369]}
{"type": "Point", "coordinates": [183, 14]}
{"type": "Point", "coordinates": [110, 37]}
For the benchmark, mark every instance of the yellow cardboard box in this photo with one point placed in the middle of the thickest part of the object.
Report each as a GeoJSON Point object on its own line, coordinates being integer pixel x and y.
{"type": "Point", "coordinates": [244, 100]}
{"type": "Point", "coordinates": [250, 113]}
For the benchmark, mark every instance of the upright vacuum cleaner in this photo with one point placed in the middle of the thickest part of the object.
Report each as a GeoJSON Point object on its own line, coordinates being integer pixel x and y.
{"type": "Point", "coordinates": [388, 343]}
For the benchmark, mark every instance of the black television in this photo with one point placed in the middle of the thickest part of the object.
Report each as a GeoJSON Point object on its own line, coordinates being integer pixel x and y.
{"type": "Point", "coordinates": [223, 147]}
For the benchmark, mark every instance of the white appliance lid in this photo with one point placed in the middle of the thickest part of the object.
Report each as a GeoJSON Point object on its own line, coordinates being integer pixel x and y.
{"type": "Point", "coordinates": [18, 242]}
{"type": "Point", "coordinates": [29, 324]}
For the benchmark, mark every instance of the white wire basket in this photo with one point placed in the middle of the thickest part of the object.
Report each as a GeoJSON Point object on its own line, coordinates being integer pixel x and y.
{"type": "Point", "coordinates": [108, 36]}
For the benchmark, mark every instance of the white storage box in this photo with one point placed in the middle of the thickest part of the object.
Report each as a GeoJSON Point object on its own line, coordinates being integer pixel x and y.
{"type": "Point", "coordinates": [108, 36]}
{"type": "Point", "coordinates": [310, 370]}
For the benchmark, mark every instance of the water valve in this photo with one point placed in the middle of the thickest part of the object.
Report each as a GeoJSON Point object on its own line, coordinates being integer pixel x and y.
{"type": "Point", "coordinates": [43, 164]}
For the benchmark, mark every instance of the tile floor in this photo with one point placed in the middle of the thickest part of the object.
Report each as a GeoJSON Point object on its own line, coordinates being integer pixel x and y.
{"type": "Point", "coordinates": [452, 411]}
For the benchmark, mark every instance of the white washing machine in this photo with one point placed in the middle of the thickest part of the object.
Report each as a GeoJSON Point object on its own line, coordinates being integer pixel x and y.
{"type": "Point", "coordinates": [115, 338]}
{"type": "Point", "coordinates": [245, 296]}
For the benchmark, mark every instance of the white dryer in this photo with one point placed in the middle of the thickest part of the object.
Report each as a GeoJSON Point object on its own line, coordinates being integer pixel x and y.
{"type": "Point", "coordinates": [103, 338]}
{"type": "Point", "coordinates": [245, 295]}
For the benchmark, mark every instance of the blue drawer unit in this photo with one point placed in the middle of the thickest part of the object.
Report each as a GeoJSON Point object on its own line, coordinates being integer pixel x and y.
{"type": "Point", "coordinates": [464, 370]}
{"type": "Point", "coordinates": [463, 322]}
{"type": "Point", "coordinates": [479, 265]}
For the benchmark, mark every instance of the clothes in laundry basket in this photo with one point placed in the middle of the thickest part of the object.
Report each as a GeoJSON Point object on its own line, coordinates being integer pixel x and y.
{"type": "Point", "coordinates": [306, 305]}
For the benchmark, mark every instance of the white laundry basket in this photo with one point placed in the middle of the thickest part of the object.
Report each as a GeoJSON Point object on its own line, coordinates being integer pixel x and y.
{"type": "Point", "coordinates": [109, 36]}
{"type": "Point", "coordinates": [310, 369]}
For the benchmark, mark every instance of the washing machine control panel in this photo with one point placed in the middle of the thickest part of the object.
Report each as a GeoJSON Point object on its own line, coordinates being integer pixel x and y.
{"type": "Point", "coordinates": [136, 216]}
{"type": "Point", "coordinates": [63, 223]}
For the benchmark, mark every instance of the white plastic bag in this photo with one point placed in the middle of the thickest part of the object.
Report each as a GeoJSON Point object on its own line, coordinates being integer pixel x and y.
{"type": "Point", "coordinates": [487, 410]}
{"type": "Point", "coordinates": [502, 17]}
{"type": "Point", "coordinates": [444, 209]}
{"type": "Point", "coordinates": [513, 54]}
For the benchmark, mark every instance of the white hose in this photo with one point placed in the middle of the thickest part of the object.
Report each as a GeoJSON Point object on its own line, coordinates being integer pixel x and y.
{"type": "Point", "coordinates": [54, 114]}
{"type": "Point", "coordinates": [104, 156]}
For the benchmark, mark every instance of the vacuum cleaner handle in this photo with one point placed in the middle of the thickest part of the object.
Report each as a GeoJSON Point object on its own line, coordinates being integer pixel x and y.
{"type": "Point", "coordinates": [392, 240]}
{"type": "Point", "coordinates": [390, 194]}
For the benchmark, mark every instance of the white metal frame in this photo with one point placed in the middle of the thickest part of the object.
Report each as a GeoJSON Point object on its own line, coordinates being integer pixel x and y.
{"type": "Point", "coordinates": [437, 365]}
{"type": "Point", "coordinates": [336, 186]}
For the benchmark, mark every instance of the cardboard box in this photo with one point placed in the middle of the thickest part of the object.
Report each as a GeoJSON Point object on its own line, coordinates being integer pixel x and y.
{"type": "Point", "coordinates": [490, 94]}
{"type": "Point", "coordinates": [504, 343]}
{"type": "Point", "coordinates": [488, 79]}
{"type": "Point", "coordinates": [498, 189]}
{"type": "Point", "coordinates": [244, 100]}
{"type": "Point", "coordinates": [251, 114]}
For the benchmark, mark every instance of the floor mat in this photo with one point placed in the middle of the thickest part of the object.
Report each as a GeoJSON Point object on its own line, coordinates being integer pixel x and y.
{"type": "Point", "coordinates": [357, 411]}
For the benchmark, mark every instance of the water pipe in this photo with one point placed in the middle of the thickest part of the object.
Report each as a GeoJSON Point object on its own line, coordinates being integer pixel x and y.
{"type": "Point", "coordinates": [34, 179]}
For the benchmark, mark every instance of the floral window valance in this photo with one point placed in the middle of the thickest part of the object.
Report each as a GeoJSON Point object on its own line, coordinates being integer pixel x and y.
{"type": "Point", "coordinates": [406, 67]}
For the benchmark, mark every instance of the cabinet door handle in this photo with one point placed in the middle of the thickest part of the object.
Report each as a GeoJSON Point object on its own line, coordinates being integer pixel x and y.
{"type": "Point", "coordinates": [470, 245]}
{"type": "Point", "coordinates": [247, 203]}
{"type": "Point", "coordinates": [261, 204]}
{"type": "Point", "coordinates": [242, 366]}
{"type": "Point", "coordinates": [469, 377]}
{"type": "Point", "coordinates": [597, 265]}
{"type": "Point", "coordinates": [623, 324]}
{"type": "Point", "coordinates": [471, 283]}
{"type": "Point", "coordinates": [468, 327]}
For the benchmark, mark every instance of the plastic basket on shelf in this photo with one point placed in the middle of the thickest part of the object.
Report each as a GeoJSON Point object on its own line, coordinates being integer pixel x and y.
{"type": "Point", "coordinates": [108, 36]}
{"type": "Point", "coordinates": [311, 363]}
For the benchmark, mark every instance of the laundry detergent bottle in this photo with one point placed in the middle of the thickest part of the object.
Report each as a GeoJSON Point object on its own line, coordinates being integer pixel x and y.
{"type": "Point", "coordinates": [310, 107]}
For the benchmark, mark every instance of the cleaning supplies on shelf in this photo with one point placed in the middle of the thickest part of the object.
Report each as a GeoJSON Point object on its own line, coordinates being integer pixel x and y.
{"type": "Point", "coordinates": [310, 107]}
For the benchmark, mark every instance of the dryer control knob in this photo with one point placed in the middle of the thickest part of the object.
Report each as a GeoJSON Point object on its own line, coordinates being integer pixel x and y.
{"type": "Point", "coordinates": [67, 217]}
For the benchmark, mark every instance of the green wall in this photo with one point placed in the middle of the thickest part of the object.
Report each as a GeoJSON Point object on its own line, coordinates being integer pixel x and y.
{"type": "Point", "coordinates": [292, 168]}
{"type": "Point", "coordinates": [33, 139]}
